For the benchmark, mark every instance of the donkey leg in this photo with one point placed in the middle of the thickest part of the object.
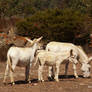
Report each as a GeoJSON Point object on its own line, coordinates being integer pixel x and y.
{"type": "Point", "coordinates": [56, 73]}
{"type": "Point", "coordinates": [66, 68]}
{"type": "Point", "coordinates": [40, 69]}
{"type": "Point", "coordinates": [6, 73]}
{"type": "Point", "coordinates": [11, 74]}
{"type": "Point", "coordinates": [51, 72]}
{"type": "Point", "coordinates": [27, 75]}
{"type": "Point", "coordinates": [75, 72]}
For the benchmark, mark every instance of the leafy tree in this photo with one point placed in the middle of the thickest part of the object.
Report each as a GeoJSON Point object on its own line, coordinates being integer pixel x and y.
{"type": "Point", "coordinates": [54, 24]}
{"type": "Point", "coordinates": [77, 5]}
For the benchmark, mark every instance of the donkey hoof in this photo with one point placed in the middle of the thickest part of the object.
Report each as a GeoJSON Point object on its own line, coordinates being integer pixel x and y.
{"type": "Point", "coordinates": [76, 77]}
{"type": "Point", "coordinates": [57, 80]}
{"type": "Point", "coordinates": [29, 82]}
{"type": "Point", "coordinates": [13, 83]}
{"type": "Point", "coordinates": [42, 80]}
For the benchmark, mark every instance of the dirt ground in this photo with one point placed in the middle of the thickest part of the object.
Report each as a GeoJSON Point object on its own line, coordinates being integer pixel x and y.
{"type": "Point", "coordinates": [69, 84]}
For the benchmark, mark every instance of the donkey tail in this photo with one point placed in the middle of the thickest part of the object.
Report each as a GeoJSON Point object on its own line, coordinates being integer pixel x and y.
{"type": "Point", "coordinates": [9, 63]}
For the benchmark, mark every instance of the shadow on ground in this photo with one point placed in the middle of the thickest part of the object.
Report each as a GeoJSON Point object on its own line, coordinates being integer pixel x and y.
{"type": "Point", "coordinates": [49, 79]}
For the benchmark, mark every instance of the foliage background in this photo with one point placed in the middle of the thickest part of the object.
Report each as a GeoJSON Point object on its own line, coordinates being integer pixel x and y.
{"type": "Point", "coordinates": [59, 20]}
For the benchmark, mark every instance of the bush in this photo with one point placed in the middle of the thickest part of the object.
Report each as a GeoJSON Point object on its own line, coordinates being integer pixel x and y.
{"type": "Point", "coordinates": [55, 24]}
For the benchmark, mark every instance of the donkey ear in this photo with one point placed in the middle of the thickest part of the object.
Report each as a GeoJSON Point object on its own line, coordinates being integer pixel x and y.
{"type": "Point", "coordinates": [90, 59]}
{"type": "Point", "coordinates": [29, 40]}
{"type": "Point", "coordinates": [39, 39]}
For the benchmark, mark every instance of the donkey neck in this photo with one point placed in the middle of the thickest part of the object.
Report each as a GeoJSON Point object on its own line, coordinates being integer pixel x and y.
{"type": "Point", "coordinates": [34, 47]}
{"type": "Point", "coordinates": [82, 56]}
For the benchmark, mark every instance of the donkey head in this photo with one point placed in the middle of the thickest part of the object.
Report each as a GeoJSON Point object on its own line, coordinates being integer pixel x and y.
{"type": "Point", "coordinates": [35, 42]}
{"type": "Point", "coordinates": [85, 69]}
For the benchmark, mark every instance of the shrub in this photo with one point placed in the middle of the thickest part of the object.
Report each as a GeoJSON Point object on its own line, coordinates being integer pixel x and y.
{"type": "Point", "coordinates": [54, 24]}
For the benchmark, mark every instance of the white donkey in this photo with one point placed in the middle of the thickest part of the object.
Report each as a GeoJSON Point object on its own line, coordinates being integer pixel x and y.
{"type": "Point", "coordinates": [78, 54]}
{"type": "Point", "coordinates": [50, 58]}
{"type": "Point", "coordinates": [23, 57]}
